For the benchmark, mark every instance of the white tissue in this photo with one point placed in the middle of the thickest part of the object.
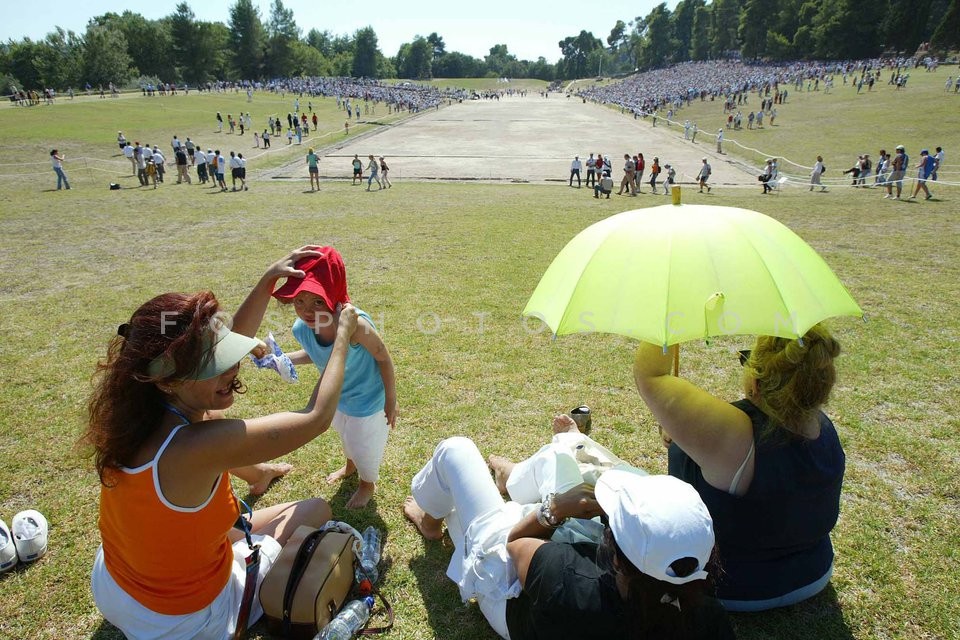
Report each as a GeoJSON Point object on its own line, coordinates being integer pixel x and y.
{"type": "Point", "coordinates": [277, 360]}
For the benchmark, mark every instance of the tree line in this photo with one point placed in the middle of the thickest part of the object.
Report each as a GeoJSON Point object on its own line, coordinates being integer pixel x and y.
{"type": "Point", "coordinates": [127, 48]}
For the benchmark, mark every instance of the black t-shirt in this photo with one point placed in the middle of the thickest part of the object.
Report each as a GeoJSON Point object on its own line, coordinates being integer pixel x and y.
{"type": "Point", "coordinates": [568, 594]}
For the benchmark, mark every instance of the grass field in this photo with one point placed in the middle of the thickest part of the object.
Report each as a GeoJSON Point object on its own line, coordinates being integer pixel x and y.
{"type": "Point", "coordinates": [445, 270]}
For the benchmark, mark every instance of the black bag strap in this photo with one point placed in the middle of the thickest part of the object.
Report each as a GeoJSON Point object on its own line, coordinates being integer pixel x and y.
{"type": "Point", "coordinates": [251, 570]}
{"type": "Point", "coordinates": [300, 563]}
{"type": "Point", "coordinates": [389, 609]}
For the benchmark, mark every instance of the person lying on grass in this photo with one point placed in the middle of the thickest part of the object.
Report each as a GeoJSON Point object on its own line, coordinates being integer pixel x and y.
{"type": "Point", "coordinates": [651, 577]}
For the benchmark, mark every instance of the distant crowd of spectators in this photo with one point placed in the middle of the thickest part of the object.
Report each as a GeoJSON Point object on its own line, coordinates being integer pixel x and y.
{"type": "Point", "coordinates": [671, 88]}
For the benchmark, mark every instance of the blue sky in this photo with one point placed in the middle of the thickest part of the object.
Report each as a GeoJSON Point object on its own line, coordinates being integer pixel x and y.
{"type": "Point", "coordinates": [529, 29]}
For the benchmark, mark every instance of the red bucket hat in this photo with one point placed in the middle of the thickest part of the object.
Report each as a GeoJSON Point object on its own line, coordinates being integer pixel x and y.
{"type": "Point", "coordinates": [326, 277]}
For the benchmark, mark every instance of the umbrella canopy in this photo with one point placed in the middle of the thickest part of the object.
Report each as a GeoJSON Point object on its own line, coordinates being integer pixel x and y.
{"type": "Point", "coordinates": [674, 273]}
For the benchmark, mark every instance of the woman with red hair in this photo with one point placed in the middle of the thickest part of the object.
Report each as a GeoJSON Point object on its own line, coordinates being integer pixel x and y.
{"type": "Point", "coordinates": [170, 564]}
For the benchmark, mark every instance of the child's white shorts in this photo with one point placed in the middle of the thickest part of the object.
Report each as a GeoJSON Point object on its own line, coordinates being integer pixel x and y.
{"type": "Point", "coordinates": [364, 441]}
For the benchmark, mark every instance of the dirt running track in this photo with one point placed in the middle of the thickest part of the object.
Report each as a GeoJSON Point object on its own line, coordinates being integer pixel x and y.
{"type": "Point", "coordinates": [530, 139]}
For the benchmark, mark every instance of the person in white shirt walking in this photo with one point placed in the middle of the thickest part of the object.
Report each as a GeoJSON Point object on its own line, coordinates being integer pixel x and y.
{"type": "Point", "coordinates": [128, 154]}
{"type": "Point", "coordinates": [235, 166]}
{"type": "Point", "coordinates": [816, 173]}
{"type": "Point", "coordinates": [704, 175]}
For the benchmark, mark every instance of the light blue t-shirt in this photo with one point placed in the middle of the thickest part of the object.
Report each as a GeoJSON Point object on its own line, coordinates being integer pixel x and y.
{"type": "Point", "coordinates": [363, 393]}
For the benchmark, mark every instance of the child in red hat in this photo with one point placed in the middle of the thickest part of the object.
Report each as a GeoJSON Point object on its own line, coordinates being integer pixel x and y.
{"type": "Point", "coordinates": [368, 401]}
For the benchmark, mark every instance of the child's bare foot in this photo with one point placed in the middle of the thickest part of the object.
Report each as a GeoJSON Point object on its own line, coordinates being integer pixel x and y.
{"type": "Point", "coordinates": [564, 424]}
{"type": "Point", "coordinates": [428, 526]}
{"type": "Point", "coordinates": [362, 495]}
{"type": "Point", "coordinates": [501, 471]}
{"type": "Point", "coordinates": [345, 471]}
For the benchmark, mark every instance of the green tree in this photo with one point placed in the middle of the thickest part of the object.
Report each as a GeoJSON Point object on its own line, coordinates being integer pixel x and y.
{"type": "Point", "coordinates": [105, 57]}
{"type": "Point", "coordinates": [754, 18]}
{"type": "Point", "coordinates": [947, 35]}
{"type": "Point", "coordinates": [904, 24]}
{"type": "Point", "coordinates": [682, 18]}
{"type": "Point", "coordinates": [282, 36]}
{"type": "Point", "coordinates": [458, 65]}
{"type": "Point", "coordinates": [726, 23]}
{"type": "Point", "coordinates": [786, 20]}
{"type": "Point", "coordinates": [541, 70]}
{"type": "Point", "coordinates": [576, 50]}
{"type": "Point", "coordinates": [24, 57]}
{"type": "Point", "coordinates": [342, 63]}
{"type": "Point", "coordinates": [148, 42]}
{"type": "Point", "coordinates": [60, 59]}
{"type": "Point", "coordinates": [437, 44]}
{"type": "Point", "coordinates": [700, 38]}
{"type": "Point", "coordinates": [246, 40]}
{"type": "Point", "coordinates": [658, 45]}
{"type": "Point", "coordinates": [208, 54]}
{"type": "Point", "coordinates": [417, 59]}
{"type": "Point", "coordinates": [308, 61]}
{"type": "Point", "coordinates": [778, 47]}
{"type": "Point", "coordinates": [841, 32]}
{"type": "Point", "coordinates": [365, 50]}
{"type": "Point", "coordinates": [322, 41]}
{"type": "Point", "coordinates": [498, 59]}
{"type": "Point", "coordinates": [618, 35]}
{"type": "Point", "coordinates": [183, 41]}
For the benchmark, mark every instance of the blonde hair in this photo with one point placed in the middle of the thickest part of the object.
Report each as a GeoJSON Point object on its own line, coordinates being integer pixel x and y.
{"type": "Point", "coordinates": [794, 377]}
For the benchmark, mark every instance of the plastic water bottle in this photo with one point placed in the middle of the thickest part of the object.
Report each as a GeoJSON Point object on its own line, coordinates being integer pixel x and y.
{"type": "Point", "coordinates": [348, 622]}
{"type": "Point", "coordinates": [369, 555]}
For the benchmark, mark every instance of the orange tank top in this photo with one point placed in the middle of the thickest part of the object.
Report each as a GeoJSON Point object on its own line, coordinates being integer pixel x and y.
{"type": "Point", "coordinates": [172, 560]}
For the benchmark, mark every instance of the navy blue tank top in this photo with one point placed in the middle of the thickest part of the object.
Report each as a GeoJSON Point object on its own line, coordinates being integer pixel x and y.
{"type": "Point", "coordinates": [775, 538]}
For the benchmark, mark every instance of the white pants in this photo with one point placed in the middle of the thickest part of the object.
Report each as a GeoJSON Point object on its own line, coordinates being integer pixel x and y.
{"type": "Point", "coordinates": [569, 460]}
{"type": "Point", "coordinates": [364, 441]}
{"type": "Point", "coordinates": [456, 485]}
{"type": "Point", "coordinates": [216, 621]}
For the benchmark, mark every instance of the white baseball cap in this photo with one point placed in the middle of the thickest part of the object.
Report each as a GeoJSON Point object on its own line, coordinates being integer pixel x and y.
{"type": "Point", "coordinates": [657, 520]}
{"type": "Point", "coordinates": [30, 535]}
{"type": "Point", "coordinates": [8, 550]}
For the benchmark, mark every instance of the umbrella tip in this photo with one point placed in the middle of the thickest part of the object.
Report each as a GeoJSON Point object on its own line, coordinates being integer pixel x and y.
{"type": "Point", "coordinates": [675, 192]}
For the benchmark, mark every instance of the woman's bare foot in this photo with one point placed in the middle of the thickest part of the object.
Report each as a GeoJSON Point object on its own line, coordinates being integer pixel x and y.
{"type": "Point", "coordinates": [428, 526]}
{"type": "Point", "coordinates": [502, 467]}
{"type": "Point", "coordinates": [259, 477]}
{"type": "Point", "coordinates": [345, 471]}
{"type": "Point", "coordinates": [564, 424]}
{"type": "Point", "coordinates": [362, 495]}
